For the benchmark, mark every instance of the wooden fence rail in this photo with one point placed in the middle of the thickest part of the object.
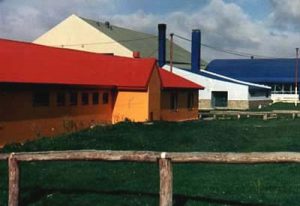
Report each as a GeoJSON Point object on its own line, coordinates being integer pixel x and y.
{"type": "Point", "coordinates": [264, 114]}
{"type": "Point", "coordinates": [164, 159]}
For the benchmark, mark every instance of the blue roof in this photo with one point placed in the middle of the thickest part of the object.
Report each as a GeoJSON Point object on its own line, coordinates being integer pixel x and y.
{"type": "Point", "coordinates": [262, 71]}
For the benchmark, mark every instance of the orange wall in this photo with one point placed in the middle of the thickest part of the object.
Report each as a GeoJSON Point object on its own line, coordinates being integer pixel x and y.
{"type": "Point", "coordinates": [139, 106]}
{"type": "Point", "coordinates": [130, 105]}
{"type": "Point", "coordinates": [183, 112]}
{"type": "Point", "coordinates": [20, 121]}
{"type": "Point", "coordinates": [154, 93]}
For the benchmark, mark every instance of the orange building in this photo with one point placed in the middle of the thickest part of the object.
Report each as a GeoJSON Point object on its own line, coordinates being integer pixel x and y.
{"type": "Point", "coordinates": [45, 91]}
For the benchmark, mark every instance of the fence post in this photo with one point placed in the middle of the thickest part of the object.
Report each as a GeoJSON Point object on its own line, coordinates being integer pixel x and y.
{"type": "Point", "coordinates": [265, 117]}
{"type": "Point", "coordinates": [13, 172]}
{"type": "Point", "coordinates": [166, 181]}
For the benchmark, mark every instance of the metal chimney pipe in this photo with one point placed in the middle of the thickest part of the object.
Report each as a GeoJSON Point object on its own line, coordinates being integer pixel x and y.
{"type": "Point", "coordinates": [171, 52]}
{"type": "Point", "coordinates": [196, 50]}
{"type": "Point", "coordinates": [162, 44]}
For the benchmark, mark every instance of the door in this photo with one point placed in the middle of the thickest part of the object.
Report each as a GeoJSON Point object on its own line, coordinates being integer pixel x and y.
{"type": "Point", "coordinates": [219, 99]}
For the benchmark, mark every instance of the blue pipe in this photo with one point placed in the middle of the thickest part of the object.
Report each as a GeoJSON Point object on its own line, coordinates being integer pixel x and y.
{"type": "Point", "coordinates": [196, 50]}
{"type": "Point", "coordinates": [162, 44]}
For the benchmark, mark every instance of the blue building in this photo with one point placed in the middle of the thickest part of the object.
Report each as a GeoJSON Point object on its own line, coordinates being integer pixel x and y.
{"type": "Point", "coordinates": [277, 73]}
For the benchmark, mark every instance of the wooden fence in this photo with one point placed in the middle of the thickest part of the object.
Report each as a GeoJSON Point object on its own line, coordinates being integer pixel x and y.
{"type": "Point", "coordinates": [265, 115]}
{"type": "Point", "coordinates": [164, 159]}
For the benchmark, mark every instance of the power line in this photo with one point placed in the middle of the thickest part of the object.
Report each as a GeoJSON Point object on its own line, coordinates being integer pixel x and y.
{"type": "Point", "coordinates": [237, 53]}
{"type": "Point", "coordinates": [108, 42]}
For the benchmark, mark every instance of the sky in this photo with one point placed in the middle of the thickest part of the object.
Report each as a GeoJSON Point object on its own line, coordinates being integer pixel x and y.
{"type": "Point", "coordinates": [262, 28]}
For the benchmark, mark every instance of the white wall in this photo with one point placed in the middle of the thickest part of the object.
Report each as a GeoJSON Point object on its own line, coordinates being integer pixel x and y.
{"type": "Point", "coordinates": [285, 97]}
{"type": "Point", "coordinates": [235, 91]}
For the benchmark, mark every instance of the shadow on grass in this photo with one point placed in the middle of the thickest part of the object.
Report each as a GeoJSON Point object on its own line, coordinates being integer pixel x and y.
{"type": "Point", "coordinates": [178, 200]}
{"type": "Point", "coordinates": [181, 200]}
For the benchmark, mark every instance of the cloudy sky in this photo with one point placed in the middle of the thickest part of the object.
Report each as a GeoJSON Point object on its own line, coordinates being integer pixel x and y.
{"type": "Point", "coordinates": [265, 28]}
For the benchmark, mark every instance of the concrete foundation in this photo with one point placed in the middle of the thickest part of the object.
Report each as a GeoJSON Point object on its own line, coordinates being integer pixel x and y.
{"type": "Point", "coordinates": [234, 104]}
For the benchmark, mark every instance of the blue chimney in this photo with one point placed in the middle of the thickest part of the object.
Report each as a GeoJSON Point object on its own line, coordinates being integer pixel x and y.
{"type": "Point", "coordinates": [162, 44]}
{"type": "Point", "coordinates": [196, 50]}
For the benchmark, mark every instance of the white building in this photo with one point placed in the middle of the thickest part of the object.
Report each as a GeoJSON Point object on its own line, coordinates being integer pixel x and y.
{"type": "Point", "coordinates": [226, 93]}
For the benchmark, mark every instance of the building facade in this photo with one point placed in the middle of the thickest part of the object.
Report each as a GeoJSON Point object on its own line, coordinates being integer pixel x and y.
{"type": "Point", "coordinates": [221, 92]}
{"type": "Point", "coordinates": [279, 74]}
{"type": "Point", "coordinates": [45, 91]}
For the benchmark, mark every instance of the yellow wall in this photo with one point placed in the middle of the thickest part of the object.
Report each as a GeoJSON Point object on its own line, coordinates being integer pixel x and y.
{"type": "Point", "coordinates": [183, 112]}
{"type": "Point", "coordinates": [74, 30]}
{"type": "Point", "coordinates": [20, 120]}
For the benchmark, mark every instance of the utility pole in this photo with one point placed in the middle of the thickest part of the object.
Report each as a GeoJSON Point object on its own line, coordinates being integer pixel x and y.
{"type": "Point", "coordinates": [171, 52]}
{"type": "Point", "coordinates": [296, 77]}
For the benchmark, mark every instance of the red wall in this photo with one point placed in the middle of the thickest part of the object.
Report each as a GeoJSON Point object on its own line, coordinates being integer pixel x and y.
{"type": "Point", "coordinates": [182, 112]}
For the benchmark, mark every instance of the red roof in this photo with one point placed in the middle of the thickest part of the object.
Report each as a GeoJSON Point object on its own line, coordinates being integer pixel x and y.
{"type": "Point", "coordinates": [171, 81]}
{"type": "Point", "coordinates": [30, 63]}
{"type": "Point", "coordinates": [23, 62]}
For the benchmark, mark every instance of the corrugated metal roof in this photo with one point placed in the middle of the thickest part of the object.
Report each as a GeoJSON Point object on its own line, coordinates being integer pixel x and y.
{"type": "Point", "coordinates": [30, 63]}
{"type": "Point", "coordinates": [23, 62]}
{"type": "Point", "coordinates": [214, 76]}
{"type": "Point", "coordinates": [262, 71]}
{"type": "Point", "coordinates": [146, 44]}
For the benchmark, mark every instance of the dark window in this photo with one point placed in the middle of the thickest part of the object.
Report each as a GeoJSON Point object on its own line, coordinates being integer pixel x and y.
{"type": "Point", "coordinates": [219, 99]}
{"type": "Point", "coordinates": [105, 98]}
{"type": "Point", "coordinates": [258, 93]}
{"type": "Point", "coordinates": [287, 88]}
{"type": "Point", "coordinates": [95, 98]}
{"type": "Point", "coordinates": [40, 99]}
{"type": "Point", "coordinates": [279, 89]}
{"type": "Point", "coordinates": [85, 98]}
{"type": "Point", "coordinates": [190, 102]}
{"type": "Point", "coordinates": [173, 101]}
{"type": "Point", "coordinates": [60, 99]}
{"type": "Point", "coordinates": [73, 98]}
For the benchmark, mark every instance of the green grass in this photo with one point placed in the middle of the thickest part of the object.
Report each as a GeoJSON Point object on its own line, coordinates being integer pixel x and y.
{"type": "Point", "coordinates": [107, 183]}
{"type": "Point", "coordinates": [279, 106]}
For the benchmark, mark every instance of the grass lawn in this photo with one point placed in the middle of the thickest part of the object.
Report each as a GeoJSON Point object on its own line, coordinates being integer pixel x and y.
{"type": "Point", "coordinates": [279, 106]}
{"type": "Point", "coordinates": [106, 183]}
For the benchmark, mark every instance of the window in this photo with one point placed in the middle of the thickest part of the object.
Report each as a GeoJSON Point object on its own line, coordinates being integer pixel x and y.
{"type": "Point", "coordinates": [278, 89]}
{"type": "Point", "coordinates": [40, 99]}
{"type": "Point", "coordinates": [190, 99]}
{"type": "Point", "coordinates": [219, 99]}
{"type": "Point", "coordinates": [95, 98]}
{"type": "Point", "coordinates": [286, 88]}
{"type": "Point", "coordinates": [85, 98]}
{"type": "Point", "coordinates": [105, 98]}
{"type": "Point", "coordinates": [173, 101]}
{"type": "Point", "coordinates": [60, 99]}
{"type": "Point", "coordinates": [73, 98]}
